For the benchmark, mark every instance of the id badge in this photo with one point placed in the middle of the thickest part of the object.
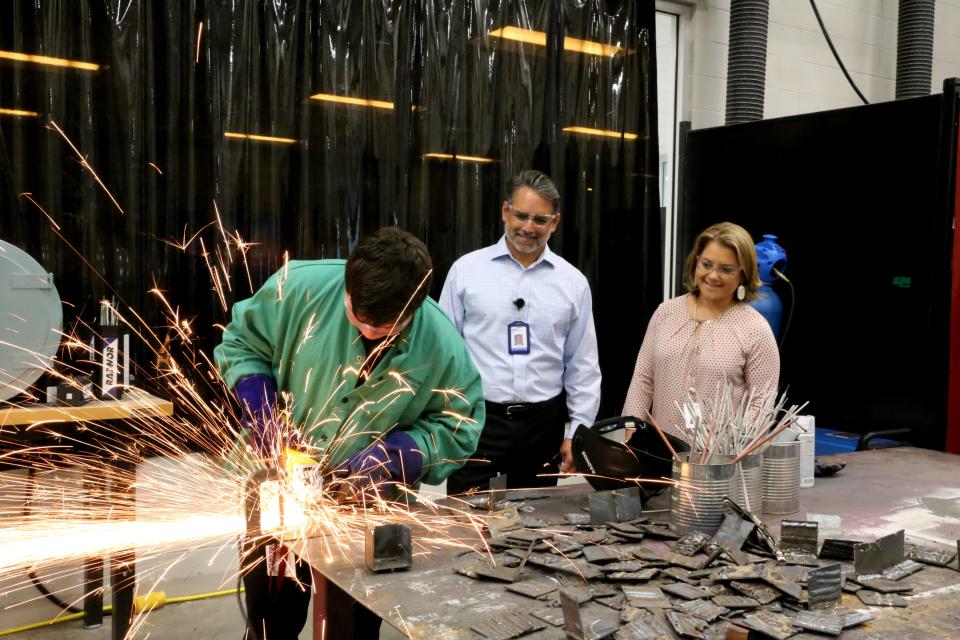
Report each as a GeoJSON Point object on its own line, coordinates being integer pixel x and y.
{"type": "Point", "coordinates": [518, 338]}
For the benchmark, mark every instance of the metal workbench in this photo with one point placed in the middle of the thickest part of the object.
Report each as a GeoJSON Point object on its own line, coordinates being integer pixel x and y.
{"type": "Point", "coordinates": [878, 492]}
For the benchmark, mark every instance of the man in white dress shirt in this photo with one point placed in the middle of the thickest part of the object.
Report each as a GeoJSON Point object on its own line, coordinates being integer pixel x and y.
{"type": "Point", "coordinates": [527, 317]}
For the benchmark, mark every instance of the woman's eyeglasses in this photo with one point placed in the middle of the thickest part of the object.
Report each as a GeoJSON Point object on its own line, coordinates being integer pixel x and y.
{"type": "Point", "coordinates": [723, 270]}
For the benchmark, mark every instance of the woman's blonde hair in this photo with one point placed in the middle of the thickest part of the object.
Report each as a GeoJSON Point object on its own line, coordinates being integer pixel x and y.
{"type": "Point", "coordinates": [734, 237]}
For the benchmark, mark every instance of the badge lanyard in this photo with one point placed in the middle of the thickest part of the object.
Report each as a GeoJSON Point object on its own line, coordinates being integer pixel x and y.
{"type": "Point", "coordinates": [518, 333]}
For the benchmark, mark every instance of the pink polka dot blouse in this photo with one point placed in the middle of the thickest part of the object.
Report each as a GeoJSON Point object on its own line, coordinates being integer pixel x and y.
{"type": "Point", "coordinates": [736, 346]}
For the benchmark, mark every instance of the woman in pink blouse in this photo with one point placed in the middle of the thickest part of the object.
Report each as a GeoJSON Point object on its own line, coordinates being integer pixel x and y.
{"type": "Point", "coordinates": [707, 336]}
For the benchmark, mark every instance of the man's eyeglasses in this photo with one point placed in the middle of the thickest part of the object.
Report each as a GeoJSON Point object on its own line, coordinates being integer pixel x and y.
{"type": "Point", "coordinates": [725, 271]}
{"type": "Point", "coordinates": [538, 221]}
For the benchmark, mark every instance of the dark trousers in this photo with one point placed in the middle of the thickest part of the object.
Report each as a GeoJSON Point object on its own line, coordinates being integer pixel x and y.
{"type": "Point", "coordinates": [522, 441]}
{"type": "Point", "coordinates": [277, 607]}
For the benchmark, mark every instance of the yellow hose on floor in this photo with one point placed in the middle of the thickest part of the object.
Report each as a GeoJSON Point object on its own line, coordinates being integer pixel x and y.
{"type": "Point", "coordinates": [149, 602]}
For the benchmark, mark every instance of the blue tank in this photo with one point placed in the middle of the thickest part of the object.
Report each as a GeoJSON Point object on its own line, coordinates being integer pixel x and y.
{"type": "Point", "coordinates": [770, 256]}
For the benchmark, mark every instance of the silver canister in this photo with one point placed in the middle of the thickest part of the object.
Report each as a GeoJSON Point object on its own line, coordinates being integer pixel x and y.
{"type": "Point", "coordinates": [748, 483]}
{"type": "Point", "coordinates": [781, 478]}
{"type": "Point", "coordinates": [696, 500]}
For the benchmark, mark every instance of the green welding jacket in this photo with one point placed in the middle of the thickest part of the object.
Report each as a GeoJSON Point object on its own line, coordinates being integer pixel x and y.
{"type": "Point", "coordinates": [295, 328]}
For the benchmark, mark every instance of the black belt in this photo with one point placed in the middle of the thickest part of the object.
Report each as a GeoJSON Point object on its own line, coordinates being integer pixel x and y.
{"type": "Point", "coordinates": [521, 410]}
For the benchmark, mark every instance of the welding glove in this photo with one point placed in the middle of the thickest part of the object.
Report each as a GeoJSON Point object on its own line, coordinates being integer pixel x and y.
{"type": "Point", "coordinates": [257, 395]}
{"type": "Point", "coordinates": [375, 471]}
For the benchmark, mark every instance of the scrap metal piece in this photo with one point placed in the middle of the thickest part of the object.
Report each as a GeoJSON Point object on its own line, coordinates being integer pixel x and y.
{"type": "Point", "coordinates": [685, 591]}
{"type": "Point", "coordinates": [579, 628]}
{"type": "Point", "coordinates": [499, 522]}
{"type": "Point", "coordinates": [646, 597]}
{"type": "Point", "coordinates": [659, 531]}
{"type": "Point", "coordinates": [388, 548]}
{"type": "Point", "coordinates": [617, 601]}
{"type": "Point", "coordinates": [686, 625]}
{"type": "Point", "coordinates": [827, 623]}
{"type": "Point", "coordinates": [678, 573]}
{"type": "Point", "coordinates": [644, 625]}
{"type": "Point", "coordinates": [741, 572]}
{"type": "Point", "coordinates": [508, 625]}
{"type": "Point", "coordinates": [775, 625]}
{"type": "Point", "coordinates": [854, 618]}
{"type": "Point", "coordinates": [825, 585]}
{"type": "Point", "coordinates": [929, 555]}
{"type": "Point", "coordinates": [619, 505]}
{"type": "Point", "coordinates": [902, 570]}
{"type": "Point", "coordinates": [800, 557]}
{"type": "Point", "coordinates": [684, 561]}
{"type": "Point", "coordinates": [762, 531]}
{"type": "Point", "coordinates": [503, 572]}
{"type": "Point", "coordinates": [564, 565]}
{"type": "Point", "coordinates": [831, 526]}
{"type": "Point", "coordinates": [778, 578]}
{"type": "Point", "coordinates": [762, 593]}
{"type": "Point", "coordinates": [600, 554]}
{"type": "Point", "coordinates": [733, 531]}
{"type": "Point", "coordinates": [633, 576]}
{"type": "Point", "coordinates": [876, 599]}
{"type": "Point", "coordinates": [836, 549]}
{"type": "Point", "coordinates": [647, 554]}
{"type": "Point", "coordinates": [498, 491]}
{"type": "Point", "coordinates": [627, 530]}
{"type": "Point", "coordinates": [703, 609]}
{"type": "Point", "coordinates": [883, 585]}
{"type": "Point", "coordinates": [532, 588]}
{"type": "Point", "coordinates": [691, 543]}
{"type": "Point", "coordinates": [874, 557]}
{"type": "Point", "coordinates": [577, 518]}
{"type": "Point", "coordinates": [626, 565]}
{"type": "Point", "coordinates": [564, 547]}
{"type": "Point", "coordinates": [550, 615]}
{"type": "Point", "coordinates": [799, 534]}
{"type": "Point", "coordinates": [735, 602]}
{"type": "Point", "coordinates": [526, 536]}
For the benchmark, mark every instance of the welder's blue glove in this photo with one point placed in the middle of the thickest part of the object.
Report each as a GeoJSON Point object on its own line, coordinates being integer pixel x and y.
{"type": "Point", "coordinates": [257, 395]}
{"type": "Point", "coordinates": [377, 470]}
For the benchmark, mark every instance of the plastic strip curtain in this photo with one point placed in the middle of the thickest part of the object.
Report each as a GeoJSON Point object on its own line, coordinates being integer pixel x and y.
{"type": "Point", "coordinates": [307, 124]}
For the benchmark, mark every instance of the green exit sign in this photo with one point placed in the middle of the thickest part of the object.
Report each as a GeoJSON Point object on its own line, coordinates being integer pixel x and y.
{"type": "Point", "coordinates": [902, 282]}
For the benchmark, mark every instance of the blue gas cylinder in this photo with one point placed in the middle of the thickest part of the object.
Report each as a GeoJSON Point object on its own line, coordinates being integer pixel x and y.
{"type": "Point", "coordinates": [770, 256]}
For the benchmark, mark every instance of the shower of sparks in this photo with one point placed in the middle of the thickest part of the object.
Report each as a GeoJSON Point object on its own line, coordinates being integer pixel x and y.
{"type": "Point", "coordinates": [91, 491]}
{"type": "Point", "coordinates": [86, 165]}
{"type": "Point", "coordinates": [199, 35]}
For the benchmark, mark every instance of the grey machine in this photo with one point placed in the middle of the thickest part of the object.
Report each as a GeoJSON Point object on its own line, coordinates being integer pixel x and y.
{"type": "Point", "coordinates": [31, 321]}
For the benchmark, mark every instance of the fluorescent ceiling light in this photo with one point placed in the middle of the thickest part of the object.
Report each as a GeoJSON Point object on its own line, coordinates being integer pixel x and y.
{"type": "Point", "coordinates": [539, 38]}
{"type": "Point", "coordinates": [252, 136]}
{"type": "Point", "coordinates": [18, 112]}
{"type": "Point", "coordinates": [47, 60]}
{"type": "Point", "coordinates": [360, 102]}
{"type": "Point", "coordinates": [449, 156]}
{"type": "Point", "coordinates": [587, 131]}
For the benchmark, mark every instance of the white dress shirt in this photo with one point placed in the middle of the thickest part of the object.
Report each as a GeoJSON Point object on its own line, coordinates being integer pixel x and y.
{"type": "Point", "coordinates": [479, 296]}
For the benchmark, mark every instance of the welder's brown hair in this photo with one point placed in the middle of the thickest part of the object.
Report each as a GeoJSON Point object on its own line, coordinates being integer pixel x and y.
{"type": "Point", "coordinates": [383, 275]}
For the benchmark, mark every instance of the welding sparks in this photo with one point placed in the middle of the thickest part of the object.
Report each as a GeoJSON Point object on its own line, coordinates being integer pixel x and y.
{"type": "Point", "coordinates": [86, 165]}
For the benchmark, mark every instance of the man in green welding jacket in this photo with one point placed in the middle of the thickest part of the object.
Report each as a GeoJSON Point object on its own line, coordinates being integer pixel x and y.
{"type": "Point", "coordinates": [379, 386]}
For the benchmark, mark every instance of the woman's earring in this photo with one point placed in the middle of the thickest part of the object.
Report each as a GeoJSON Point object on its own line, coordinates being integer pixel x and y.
{"type": "Point", "coordinates": [741, 292]}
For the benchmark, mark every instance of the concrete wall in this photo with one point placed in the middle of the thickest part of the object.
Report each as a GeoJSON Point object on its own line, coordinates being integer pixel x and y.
{"type": "Point", "coordinates": [802, 75]}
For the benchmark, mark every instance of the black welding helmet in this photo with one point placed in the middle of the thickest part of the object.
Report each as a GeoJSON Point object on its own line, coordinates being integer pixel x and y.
{"type": "Point", "coordinates": [606, 462]}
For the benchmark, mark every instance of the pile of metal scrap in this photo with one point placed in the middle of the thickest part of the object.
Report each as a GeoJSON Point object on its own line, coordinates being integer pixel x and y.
{"type": "Point", "coordinates": [636, 580]}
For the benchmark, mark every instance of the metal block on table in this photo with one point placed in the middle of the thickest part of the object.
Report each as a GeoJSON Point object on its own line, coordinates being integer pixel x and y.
{"type": "Point", "coordinates": [873, 557]}
{"type": "Point", "coordinates": [633, 576]}
{"type": "Point", "coordinates": [502, 572]}
{"type": "Point", "coordinates": [774, 625]}
{"type": "Point", "coordinates": [703, 609]}
{"type": "Point", "coordinates": [825, 585]}
{"type": "Point", "coordinates": [735, 602]}
{"type": "Point", "coordinates": [733, 531]}
{"type": "Point", "coordinates": [646, 597]}
{"type": "Point", "coordinates": [883, 585]}
{"type": "Point", "coordinates": [499, 522]}
{"type": "Point", "coordinates": [686, 625]}
{"type": "Point", "coordinates": [799, 534]}
{"type": "Point", "coordinates": [579, 627]}
{"type": "Point", "coordinates": [854, 618]}
{"type": "Point", "coordinates": [826, 623]}
{"type": "Point", "coordinates": [497, 491]}
{"type": "Point", "coordinates": [876, 599]}
{"type": "Point", "coordinates": [619, 505]}
{"type": "Point", "coordinates": [691, 543]}
{"type": "Point", "coordinates": [550, 615]}
{"type": "Point", "coordinates": [929, 555]}
{"type": "Point", "coordinates": [836, 549]}
{"type": "Point", "coordinates": [532, 588]}
{"type": "Point", "coordinates": [388, 548]}
{"type": "Point", "coordinates": [685, 591]}
{"type": "Point", "coordinates": [762, 593]}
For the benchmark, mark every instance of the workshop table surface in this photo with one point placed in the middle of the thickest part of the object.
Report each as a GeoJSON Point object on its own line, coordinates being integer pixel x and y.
{"type": "Point", "coordinates": [135, 403]}
{"type": "Point", "coordinates": [879, 492]}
